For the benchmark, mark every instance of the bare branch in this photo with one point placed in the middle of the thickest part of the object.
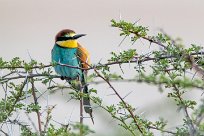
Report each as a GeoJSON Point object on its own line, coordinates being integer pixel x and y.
{"type": "Point", "coordinates": [126, 105]}
{"type": "Point", "coordinates": [36, 103]}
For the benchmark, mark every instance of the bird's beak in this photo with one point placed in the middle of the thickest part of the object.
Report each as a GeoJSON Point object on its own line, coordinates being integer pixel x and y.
{"type": "Point", "coordinates": [78, 36]}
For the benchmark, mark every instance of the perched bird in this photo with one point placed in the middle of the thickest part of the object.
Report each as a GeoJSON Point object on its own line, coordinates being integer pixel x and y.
{"type": "Point", "coordinates": [68, 51]}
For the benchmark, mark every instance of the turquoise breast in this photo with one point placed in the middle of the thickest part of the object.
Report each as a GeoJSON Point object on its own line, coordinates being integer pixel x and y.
{"type": "Point", "coordinates": [66, 56]}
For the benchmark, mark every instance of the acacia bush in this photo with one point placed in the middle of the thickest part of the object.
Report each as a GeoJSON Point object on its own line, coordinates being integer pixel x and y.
{"type": "Point", "coordinates": [170, 65]}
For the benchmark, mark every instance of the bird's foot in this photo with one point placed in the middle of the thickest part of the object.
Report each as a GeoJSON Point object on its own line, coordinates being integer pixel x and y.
{"type": "Point", "coordinates": [65, 78]}
{"type": "Point", "coordinates": [62, 77]}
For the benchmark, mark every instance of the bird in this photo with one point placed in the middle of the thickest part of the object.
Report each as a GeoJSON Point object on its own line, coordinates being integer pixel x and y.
{"type": "Point", "coordinates": [68, 51]}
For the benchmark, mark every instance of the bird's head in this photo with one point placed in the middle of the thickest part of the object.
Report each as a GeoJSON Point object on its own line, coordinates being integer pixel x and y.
{"type": "Point", "coordinates": [67, 38]}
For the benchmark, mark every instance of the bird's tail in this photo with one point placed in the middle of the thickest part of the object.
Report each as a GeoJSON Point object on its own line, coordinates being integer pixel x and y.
{"type": "Point", "coordinates": [79, 85]}
{"type": "Point", "coordinates": [86, 103]}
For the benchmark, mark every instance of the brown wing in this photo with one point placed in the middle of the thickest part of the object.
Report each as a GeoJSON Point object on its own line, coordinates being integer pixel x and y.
{"type": "Point", "coordinates": [84, 56]}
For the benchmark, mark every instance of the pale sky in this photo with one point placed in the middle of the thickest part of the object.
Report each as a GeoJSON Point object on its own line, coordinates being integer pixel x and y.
{"type": "Point", "coordinates": [31, 25]}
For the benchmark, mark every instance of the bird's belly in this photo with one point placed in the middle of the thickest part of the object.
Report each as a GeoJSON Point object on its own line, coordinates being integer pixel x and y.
{"type": "Point", "coordinates": [68, 72]}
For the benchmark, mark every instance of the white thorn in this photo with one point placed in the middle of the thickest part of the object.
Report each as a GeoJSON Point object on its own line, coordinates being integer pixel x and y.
{"type": "Point", "coordinates": [120, 15]}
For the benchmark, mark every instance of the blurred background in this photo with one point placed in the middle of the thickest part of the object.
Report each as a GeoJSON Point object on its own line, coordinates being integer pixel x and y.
{"type": "Point", "coordinates": [28, 28]}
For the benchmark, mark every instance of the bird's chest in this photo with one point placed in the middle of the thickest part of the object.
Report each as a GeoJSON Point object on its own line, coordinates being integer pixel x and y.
{"type": "Point", "coordinates": [67, 56]}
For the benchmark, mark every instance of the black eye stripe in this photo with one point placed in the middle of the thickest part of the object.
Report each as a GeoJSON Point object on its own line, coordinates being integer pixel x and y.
{"type": "Point", "coordinates": [64, 38]}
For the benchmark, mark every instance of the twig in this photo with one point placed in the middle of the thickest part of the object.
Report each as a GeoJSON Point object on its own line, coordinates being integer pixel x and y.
{"type": "Point", "coordinates": [146, 38]}
{"type": "Point", "coordinates": [166, 131]}
{"type": "Point", "coordinates": [126, 105]}
{"type": "Point", "coordinates": [195, 66]}
{"type": "Point", "coordinates": [4, 132]}
{"type": "Point", "coordinates": [31, 121]}
{"type": "Point", "coordinates": [99, 66]}
{"type": "Point", "coordinates": [28, 76]}
{"type": "Point", "coordinates": [191, 126]}
{"type": "Point", "coordinates": [18, 97]}
{"type": "Point", "coordinates": [36, 103]}
{"type": "Point", "coordinates": [48, 117]}
{"type": "Point", "coordinates": [115, 117]}
{"type": "Point", "coordinates": [81, 115]}
{"type": "Point", "coordinates": [8, 74]}
{"type": "Point", "coordinates": [22, 67]}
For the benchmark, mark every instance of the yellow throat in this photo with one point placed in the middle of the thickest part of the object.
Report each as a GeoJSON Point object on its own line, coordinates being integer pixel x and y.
{"type": "Point", "coordinates": [68, 43]}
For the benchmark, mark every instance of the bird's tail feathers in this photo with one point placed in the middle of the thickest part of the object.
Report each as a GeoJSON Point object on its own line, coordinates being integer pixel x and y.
{"type": "Point", "coordinates": [79, 85]}
{"type": "Point", "coordinates": [86, 103]}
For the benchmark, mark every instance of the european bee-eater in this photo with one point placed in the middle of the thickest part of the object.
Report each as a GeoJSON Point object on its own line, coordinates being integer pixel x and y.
{"type": "Point", "coordinates": [68, 51]}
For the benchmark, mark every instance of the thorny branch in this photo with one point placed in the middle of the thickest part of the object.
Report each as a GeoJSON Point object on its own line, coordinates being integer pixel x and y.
{"type": "Point", "coordinates": [195, 66]}
{"type": "Point", "coordinates": [122, 100]}
{"type": "Point", "coordinates": [4, 132]}
{"type": "Point", "coordinates": [138, 60]}
{"type": "Point", "coordinates": [48, 117]}
{"type": "Point", "coordinates": [36, 103]}
{"type": "Point", "coordinates": [166, 131]}
{"type": "Point", "coordinates": [18, 97]}
{"type": "Point", "coordinates": [191, 126]}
